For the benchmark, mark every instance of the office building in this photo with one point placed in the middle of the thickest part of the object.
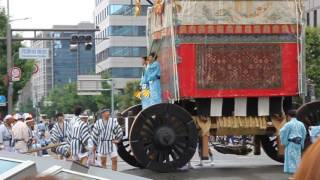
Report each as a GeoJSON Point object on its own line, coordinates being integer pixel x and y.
{"type": "Point", "coordinates": [67, 63]}
{"type": "Point", "coordinates": [121, 41]}
{"type": "Point", "coordinates": [42, 80]}
{"type": "Point", "coordinates": [63, 64]}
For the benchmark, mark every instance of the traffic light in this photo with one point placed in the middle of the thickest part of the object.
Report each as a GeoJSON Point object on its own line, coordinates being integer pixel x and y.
{"type": "Point", "coordinates": [88, 42]}
{"type": "Point", "coordinates": [81, 38]}
{"type": "Point", "coordinates": [74, 39]}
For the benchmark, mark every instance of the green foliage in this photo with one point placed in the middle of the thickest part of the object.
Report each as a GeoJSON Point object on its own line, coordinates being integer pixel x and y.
{"type": "Point", "coordinates": [313, 56]}
{"type": "Point", "coordinates": [64, 99]}
{"type": "Point", "coordinates": [26, 66]}
{"type": "Point", "coordinates": [128, 99]}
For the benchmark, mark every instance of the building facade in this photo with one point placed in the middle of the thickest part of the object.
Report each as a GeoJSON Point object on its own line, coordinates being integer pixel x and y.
{"type": "Point", "coordinates": [63, 64]}
{"type": "Point", "coordinates": [42, 81]}
{"type": "Point", "coordinates": [313, 13]}
{"type": "Point", "coordinates": [67, 63]}
{"type": "Point", "coordinates": [121, 41]}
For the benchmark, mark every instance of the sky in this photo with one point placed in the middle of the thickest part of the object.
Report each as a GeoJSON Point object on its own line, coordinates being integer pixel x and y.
{"type": "Point", "coordinates": [45, 13]}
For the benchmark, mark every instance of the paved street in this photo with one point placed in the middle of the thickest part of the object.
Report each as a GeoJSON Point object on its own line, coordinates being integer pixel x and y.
{"type": "Point", "coordinates": [227, 167]}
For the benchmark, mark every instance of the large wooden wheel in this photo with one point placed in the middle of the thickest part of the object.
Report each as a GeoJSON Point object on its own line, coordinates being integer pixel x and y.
{"type": "Point", "coordinates": [124, 149]}
{"type": "Point", "coordinates": [309, 114]}
{"type": "Point", "coordinates": [163, 137]}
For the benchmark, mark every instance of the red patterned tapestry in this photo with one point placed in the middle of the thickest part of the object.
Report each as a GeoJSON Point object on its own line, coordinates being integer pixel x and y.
{"type": "Point", "coordinates": [238, 66]}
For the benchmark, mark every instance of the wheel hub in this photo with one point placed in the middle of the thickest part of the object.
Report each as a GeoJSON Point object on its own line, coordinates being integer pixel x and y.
{"type": "Point", "coordinates": [164, 137]}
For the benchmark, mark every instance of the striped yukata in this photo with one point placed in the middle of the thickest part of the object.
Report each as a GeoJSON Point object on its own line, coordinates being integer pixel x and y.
{"type": "Point", "coordinates": [103, 133]}
{"type": "Point", "coordinates": [60, 135]}
{"type": "Point", "coordinates": [78, 138]}
{"type": "Point", "coordinates": [31, 138]}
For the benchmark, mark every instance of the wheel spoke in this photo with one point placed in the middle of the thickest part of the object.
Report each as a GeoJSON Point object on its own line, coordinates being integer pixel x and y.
{"type": "Point", "coordinates": [148, 125]}
{"type": "Point", "coordinates": [182, 139]}
{"type": "Point", "coordinates": [180, 146]}
{"type": "Point", "coordinates": [177, 125]}
{"type": "Point", "coordinates": [160, 157]}
{"type": "Point", "coordinates": [154, 122]}
{"type": "Point", "coordinates": [149, 146]}
{"type": "Point", "coordinates": [159, 119]}
{"type": "Point", "coordinates": [166, 156]}
{"type": "Point", "coordinates": [173, 155]}
{"type": "Point", "coordinates": [146, 131]}
{"type": "Point", "coordinates": [177, 151]}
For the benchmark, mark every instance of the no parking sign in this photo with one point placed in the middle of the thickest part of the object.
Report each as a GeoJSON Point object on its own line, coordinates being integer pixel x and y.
{"type": "Point", "coordinates": [15, 73]}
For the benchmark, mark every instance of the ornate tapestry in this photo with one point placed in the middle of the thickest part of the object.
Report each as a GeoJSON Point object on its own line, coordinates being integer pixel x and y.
{"type": "Point", "coordinates": [228, 12]}
{"type": "Point", "coordinates": [238, 66]}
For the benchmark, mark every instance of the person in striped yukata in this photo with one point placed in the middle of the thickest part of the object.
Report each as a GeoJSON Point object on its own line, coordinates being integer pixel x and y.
{"type": "Point", "coordinates": [106, 133]}
{"type": "Point", "coordinates": [59, 134]}
{"type": "Point", "coordinates": [79, 137]}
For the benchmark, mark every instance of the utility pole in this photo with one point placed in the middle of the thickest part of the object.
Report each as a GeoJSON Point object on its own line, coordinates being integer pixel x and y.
{"type": "Point", "coordinates": [9, 61]}
{"type": "Point", "coordinates": [78, 58]}
{"type": "Point", "coordinates": [112, 98]}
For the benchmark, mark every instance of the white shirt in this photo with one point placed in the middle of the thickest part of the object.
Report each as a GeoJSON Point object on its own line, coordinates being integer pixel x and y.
{"type": "Point", "coordinates": [20, 131]}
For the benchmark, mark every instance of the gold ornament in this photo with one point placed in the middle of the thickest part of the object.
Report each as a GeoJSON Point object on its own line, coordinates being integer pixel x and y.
{"type": "Point", "coordinates": [137, 8]}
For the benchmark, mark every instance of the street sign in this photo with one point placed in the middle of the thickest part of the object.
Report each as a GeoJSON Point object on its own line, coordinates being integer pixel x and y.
{"type": "Point", "coordinates": [35, 68]}
{"type": "Point", "coordinates": [3, 101]}
{"type": "Point", "coordinates": [33, 53]}
{"type": "Point", "coordinates": [89, 85]}
{"type": "Point", "coordinates": [15, 74]}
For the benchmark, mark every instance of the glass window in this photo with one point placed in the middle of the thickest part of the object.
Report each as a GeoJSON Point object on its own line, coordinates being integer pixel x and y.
{"type": "Point", "coordinates": [127, 51]}
{"type": "Point", "coordinates": [120, 10]}
{"type": "Point", "coordinates": [125, 72]}
{"type": "Point", "coordinates": [125, 10]}
{"type": "Point", "coordinates": [127, 30]}
{"type": "Point", "coordinates": [121, 52]}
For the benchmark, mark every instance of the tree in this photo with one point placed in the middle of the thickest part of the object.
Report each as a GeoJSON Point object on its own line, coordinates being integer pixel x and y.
{"type": "Point", "coordinates": [313, 56]}
{"type": "Point", "coordinates": [64, 99]}
{"type": "Point", "coordinates": [128, 99]}
{"type": "Point", "coordinates": [26, 66]}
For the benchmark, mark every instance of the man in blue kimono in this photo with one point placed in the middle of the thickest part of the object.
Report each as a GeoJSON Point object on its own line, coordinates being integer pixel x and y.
{"type": "Point", "coordinates": [144, 84]}
{"type": "Point", "coordinates": [153, 80]}
{"type": "Point", "coordinates": [292, 136]}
